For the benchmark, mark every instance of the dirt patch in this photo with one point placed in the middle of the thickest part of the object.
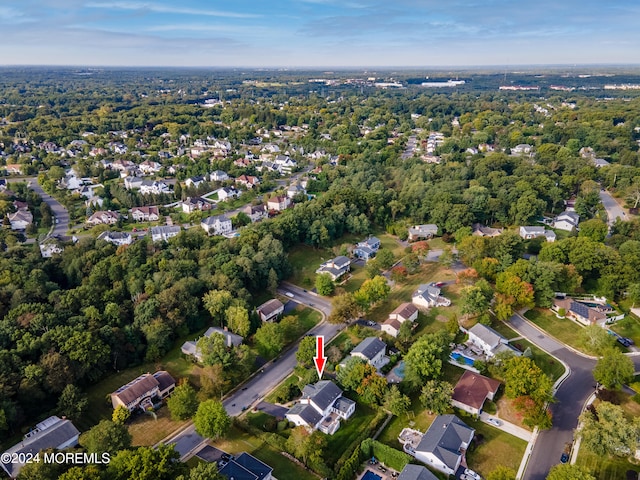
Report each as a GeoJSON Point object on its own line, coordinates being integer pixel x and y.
{"type": "Point", "coordinates": [442, 318]}
{"type": "Point", "coordinates": [507, 412]}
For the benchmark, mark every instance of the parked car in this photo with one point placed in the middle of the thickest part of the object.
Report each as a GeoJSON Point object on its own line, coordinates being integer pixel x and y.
{"type": "Point", "coordinates": [494, 421]}
{"type": "Point", "coordinates": [564, 458]}
{"type": "Point", "coordinates": [289, 294]}
{"type": "Point", "coordinates": [471, 474]}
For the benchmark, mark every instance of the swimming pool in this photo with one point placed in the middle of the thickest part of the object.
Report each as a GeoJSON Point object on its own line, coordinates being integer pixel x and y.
{"type": "Point", "coordinates": [456, 356]}
{"type": "Point", "coordinates": [369, 475]}
{"type": "Point", "coordinates": [399, 370]}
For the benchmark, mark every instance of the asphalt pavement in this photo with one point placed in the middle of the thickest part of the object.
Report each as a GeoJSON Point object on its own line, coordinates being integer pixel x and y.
{"type": "Point", "coordinates": [614, 210]}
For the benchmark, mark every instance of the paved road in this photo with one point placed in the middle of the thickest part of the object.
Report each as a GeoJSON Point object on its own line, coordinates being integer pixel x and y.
{"type": "Point", "coordinates": [611, 206]}
{"type": "Point", "coordinates": [59, 211]}
{"type": "Point", "coordinates": [261, 383]}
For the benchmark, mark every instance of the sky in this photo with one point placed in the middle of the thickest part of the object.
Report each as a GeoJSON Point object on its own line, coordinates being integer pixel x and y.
{"type": "Point", "coordinates": [319, 33]}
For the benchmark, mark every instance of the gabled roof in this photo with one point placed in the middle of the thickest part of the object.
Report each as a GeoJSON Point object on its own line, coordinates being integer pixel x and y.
{"type": "Point", "coordinates": [164, 379]}
{"type": "Point", "coordinates": [427, 291]}
{"type": "Point", "coordinates": [405, 310]}
{"type": "Point", "coordinates": [472, 389]}
{"type": "Point", "coordinates": [531, 230]}
{"type": "Point", "coordinates": [343, 404]}
{"type": "Point", "coordinates": [270, 306]}
{"type": "Point", "coordinates": [235, 471]}
{"type": "Point", "coordinates": [255, 466]}
{"type": "Point", "coordinates": [571, 217]}
{"type": "Point", "coordinates": [136, 388]}
{"type": "Point", "coordinates": [444, 439]}
{"type": "Point", "coordinates": [323, 393]}
{"type": "Point", "coordinates": [309, 414]}
{"type": "Point", "coordinates": [370, 347]}
{"type": "Point", "coordinates": [487, 334]}
{"type": "Point", "coordinates": [416, 472]}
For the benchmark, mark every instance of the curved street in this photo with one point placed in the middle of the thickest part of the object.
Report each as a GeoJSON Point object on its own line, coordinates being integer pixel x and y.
{"type": "Point", "coordinates": [614, 210]}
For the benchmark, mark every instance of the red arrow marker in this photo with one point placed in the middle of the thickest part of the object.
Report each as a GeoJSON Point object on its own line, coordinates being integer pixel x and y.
{"type": "Point", "coordinates": [320, 360]}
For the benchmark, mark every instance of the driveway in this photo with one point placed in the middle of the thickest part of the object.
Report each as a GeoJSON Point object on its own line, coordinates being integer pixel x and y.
{"type": "Point", "coordinates": [614, 210]}
{"type": "Point", "coordinates": [508, 427]}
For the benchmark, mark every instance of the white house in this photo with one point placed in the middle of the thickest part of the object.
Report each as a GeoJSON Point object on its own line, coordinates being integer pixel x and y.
{"type": "Point", "coordinates": [428, 295]}
{"type": "Point", "coordinates": [50, 247]}
{"type": "Point", "coordinates": [488, 340]}
{"type": "Point", "coordinates": [218, 176]}
{"type": "Point", "coordinates": [255, 212]}
{"type": "Point", "coordinates": [522, 148]}
{"type": "Point", "coordinates": [230, 339]}
{"type": "Point", "coordinates": [416, 472]}
{"type": "Point", "coordinates": [140, 392]}
{"type": "Point", "coordinates": [226, 193]}
{"type": "Point", "coordinates": [192, 204]}
{"type": "Point", "coordinates": [278, 203]}
{"type": "Point", "coordinates": [422, 231]}
{"type": "Point", "coordinates": [294, 190]}
{"type": "Point", "coordinates": [405, 312]}
{"type": "Point", "coordinates": [444, 444]}
{"type": "Point", "coordinates": [117, 238]}
{"type": "Point", "coordinates": [148, 187]}
{"type": "Point", "coordinates": [145, 214]}
{"type": "Point", "coordinates": [107, 217]}
{"type": "Point", "coordinates": [372, 350]}
{"type": "Point", "coordinates": [367, 249]}
{"type": "Point", "coordinates": [194, 181]}
{"type": "Point", "coordinates": [164, 233]}
{"type": "Point", "coordinates": [149, 167]}
{"type": "Point", "coordinates": [528, 233]}
{"type": "Point", "coordinates": [218, 225]}
{"type": "Point", "coordinates": [335, 267]}
{"type": "Point", "coordinates": [270, 309]}
{"type": "Point", "coordinates": [133, 183]}
{"type": "Point", "coordinates": [321, 407]}
{"type": "Point", "coordinates": [248, 181]}
{"type": "Point", "coordinates": [567, 221]}
{"type": "Point", "coordinates": [21, 219]}
{"type": "Point", "coordinates": [54, 432]}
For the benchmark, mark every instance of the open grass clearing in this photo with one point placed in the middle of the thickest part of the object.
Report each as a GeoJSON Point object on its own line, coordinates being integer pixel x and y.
{"type": "Point", "coordinates": [628, 327]}
{"type": "Point", "coordinates": [605, 468]}
{"type": "Point", "coordinates": [147, 430]}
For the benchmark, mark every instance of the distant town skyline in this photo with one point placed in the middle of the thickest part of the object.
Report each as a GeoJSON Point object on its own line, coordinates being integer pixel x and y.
{"type": "Point", "coordinates": [317, 33]}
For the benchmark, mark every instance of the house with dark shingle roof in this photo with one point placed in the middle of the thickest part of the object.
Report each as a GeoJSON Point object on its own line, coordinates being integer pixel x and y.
{"type": "Point", "coordinates": [270, 309]}
{"type": "Point", "coordinates": [140, 391]}
{"type": "Point", "coordinates": [472, 390]}
{"type": "Point", "coordinates": [579, 311]}
{"type": "Point", "coordinates": [444, 444]}
{"type": "Point", "coordinates": [488, 340]}
{"type": "Point", "coordinates": [246, 467]}
{"type": "Point", "coordinates": [372, 350]}
{"type": "Point", "coordinates": [321, 407]}
{"type": "Point", "coordinates": [416, 472]}
{"type": "Point", "coordinates": [54, 432]}
{"type": "Point", "coordinates": [336, 267]}
{"type": "Point", "coordinates": [405, 312]}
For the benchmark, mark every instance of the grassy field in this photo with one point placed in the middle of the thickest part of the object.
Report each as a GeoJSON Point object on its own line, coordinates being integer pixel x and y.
{"type": "Point", "coordinates": [628, 327]}
{"type": "Point", "coordinates": [605, 468]}
{"type": "Point", "coordinates": [305, 260]}
{"type": "Point", "coordinates": [347, 433]}
{"type": "Point", "coordinates": [237, 442]}
{"type": "Point", "coordinates": [494, 448]}
{"type": "Point", "coordinates": [145, 430]}
{"type": "Point", "coordinates": [563, 329]}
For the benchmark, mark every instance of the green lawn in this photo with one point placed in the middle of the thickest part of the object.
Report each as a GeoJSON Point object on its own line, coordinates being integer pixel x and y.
{"type": "Point", "coordinates": [349, 430]}
{"type": "Point", "coordinates": [237, 442]}
{"type": "Point", "coordinates": [628, 327]}
{"type": "Point", "coordinates": [605, 468]}
{"type": "Point", "coordinates": [305, 260]}
{"type": "Point", "coordinates": [290, 380]}
{"type": "Point", "coordinates": [565, 330]}
{"type": "Point", "coordinates": [494, 447]}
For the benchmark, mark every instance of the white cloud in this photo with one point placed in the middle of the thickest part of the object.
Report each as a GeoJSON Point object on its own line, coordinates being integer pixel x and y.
{"type": "Point", "coordinates": [158, 8]}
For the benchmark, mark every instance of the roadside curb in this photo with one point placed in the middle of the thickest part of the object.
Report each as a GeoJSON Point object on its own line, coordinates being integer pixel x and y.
{"type": "Point", "coordinates": [527, 454]}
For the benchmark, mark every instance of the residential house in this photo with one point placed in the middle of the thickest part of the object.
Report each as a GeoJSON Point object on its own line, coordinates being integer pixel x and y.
{"type": "Point", "coordinates": [567, 220]}
{"type": "Point", "coordinates": [285, 164]}
{"type": "Point", "coordinates": [218, 176]}
{"type": "Point", "coordinates": [21, 219]}
{"type": "Point", "coordinates": [13, 169]}
{"type": "Point", "coordinates": [133, 183]}
{"type": "Point", "coordinates": [335, 267]}
{"type": "Point", "coordinates": [581, 312]}
{"type": "Point", "coordinates": [372, 350]}
{"type": "Point", "coordinates": [103, 217]}
{"type": "Point", "coordinates": [218, 225]}
{"type": "Point", "coordinates": [270, 310]}
{"type": "Point", "coordinates": [528, 233]}
{"type": "Point", "coordinates": [600, 162]}
{"type": "Point", "coordinates": [53, 433]}
{"type": "Point", "coordinates": [246, 467]}
{"type": "Point", "coordinates": [278, 203]}
{"type": "Point", "coordinates": [141, 391]}
{"type": "Point", "coordinates": [416, 472]}
{"type": "Point", "coordinates": [255, 212]}
{"type": "Point", "coordinates": [523, 148]}
{"type": "Point", "coordinates": [117, 238]}
{"type": "Point", "coordinates": [483, 231]}
{"type": "Point", "coordinates": [154, 187]}
{"type": "Point", "coordinates": [488, 341]}
{"type": "Point", "coordinates": [248, 181]}
{"type": "Point", "coordinates": [227, 193]}
{"type": "Point", "coordinates": [294, 190]}
{"type": "Point", "coordinates": [174, 169]}
{"type": "Point", "coordinates": [49, 247]}
{"type": "Point", "coordinates": [149, 167]}
{"type": "Point", "coordinates": [367, 249]}
{"type": "Point", "coordinates": [321, 407]}
{"type": "Point", "coordinates": [427, 231]}
{"type": "Point", "coordinates": [444, 444]}
{"type": "Point", "coordinates": [164, 233]}
{"type": "Point", "coordinates": [192, 204]}
{"type": "Point", "coordinates": [428, 295]}
{"type": "Point", "coordinates": [194, 182]}
{"type": "Point", "coordinates": [231, 340]}
{"type": "Point", "coordinates": [405, 312]}
{"type": "Point", "coordinates": [145, 214]}
{"type": "Point", "coordinates": [472, 390]}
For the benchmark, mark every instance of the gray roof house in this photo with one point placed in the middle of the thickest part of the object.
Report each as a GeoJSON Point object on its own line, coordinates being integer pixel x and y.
{"type": "Point", "coordinates": [336, 267]}
{"type": "Point", "coordinates": [247, 467]}
{"type": "Point", "coordinates": [367, 248]}
{"type": "Point", "coordinates": [416, 472]}
{"type": "Point", "coordinates": [489, 341]}
{"type": "Point", "coordinates": [164, 232]}
{"type": "Point", "coordinates": [54, 432]}
{"type": "Point", "coordinates": [533, 232]}
{"type": "Point", "coordinates": [372, 350]}
{"type": "Point", "coordinates": [231, 340]}
{"type": "Point", "coordinates": [443, 446]}
{"type": "Point", "coordinates": [321, 407]}
{"type": "Point", "coordinates": [428, 295]}
{"type": "Point", "coordinates": [422, 231]}
{"type": "Point", "coordinates": [567, 220]}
